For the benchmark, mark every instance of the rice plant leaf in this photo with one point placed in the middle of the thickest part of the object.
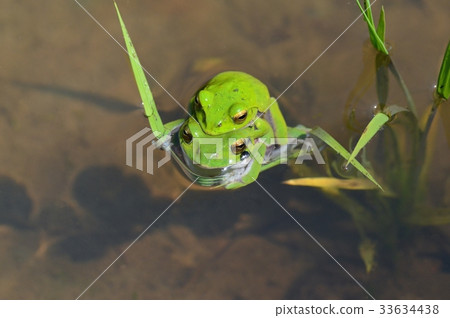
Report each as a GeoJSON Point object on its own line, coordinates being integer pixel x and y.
{"type": "Point", "coordinates": [374, 125]}
{"type": "Point", "coordinates": [443, 84]}
{"type": "Point", "coordinates": [374, 38]}
{"type": "Point", "coordinates": [144, 89]}
{"type": "Point", "coordinates": [368, 9]}
{"type": "Point", "coordinates": [381, 28]}
{"type": "Point", "coordinates": [344, 184]}
{"type": "Point", "coordinates": [335, 145]}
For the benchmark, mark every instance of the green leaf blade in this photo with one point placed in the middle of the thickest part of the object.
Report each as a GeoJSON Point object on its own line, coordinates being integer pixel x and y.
{"type": "Point", "coordinates": [335, 145]}
{"type": "Point", "coordinates": [376, 41]}
{"type": "Point", "coordinates": [381, 28]}
{"type": "Point", "coordinates": [443, 83]}
{"type": "Point", "coordinates": [144, 89]}
{"type": "Point", "coordinates": [372, 128]}
{"type": "Point", "coordinates": [368, 9]}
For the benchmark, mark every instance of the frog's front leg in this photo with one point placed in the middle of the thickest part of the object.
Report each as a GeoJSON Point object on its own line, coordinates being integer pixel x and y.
{"type": "Point", "coordinates": [276, 120]}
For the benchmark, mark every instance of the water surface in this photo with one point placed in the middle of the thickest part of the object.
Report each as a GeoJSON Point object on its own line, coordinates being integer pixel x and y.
{"type": "Point", "coordinates": [69, 205]}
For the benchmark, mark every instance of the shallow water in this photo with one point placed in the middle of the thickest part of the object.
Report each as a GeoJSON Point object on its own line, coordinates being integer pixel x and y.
{"type": "Point", "coordinates": [69, 205]}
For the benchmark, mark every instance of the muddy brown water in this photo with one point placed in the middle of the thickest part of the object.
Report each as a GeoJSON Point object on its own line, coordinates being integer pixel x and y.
{"type": "Point", "coordinates": [69, 205]}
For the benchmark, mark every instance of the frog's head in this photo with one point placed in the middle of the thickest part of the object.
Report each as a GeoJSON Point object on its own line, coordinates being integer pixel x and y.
{"type": "Point", "coordinates": [213, 152]}
{"type": "Point", "coordinates": [229, 101]}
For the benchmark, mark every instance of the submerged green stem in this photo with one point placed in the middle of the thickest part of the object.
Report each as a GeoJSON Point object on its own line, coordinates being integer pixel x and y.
{"type": "Point", "coordinates": [409, 99]}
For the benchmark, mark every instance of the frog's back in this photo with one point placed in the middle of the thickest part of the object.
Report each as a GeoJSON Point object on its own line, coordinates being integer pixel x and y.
{"type": "Point", "coordinates": [237, 86]}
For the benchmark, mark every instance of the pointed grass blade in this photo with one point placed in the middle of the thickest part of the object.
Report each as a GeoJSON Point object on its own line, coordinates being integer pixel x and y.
{"type": "Point", "coordinates": [377, 42]}
{"type": "Point", "coordinates": [374, 125]}
{"type": "Point", "coordinates": [144, 89]}
{"type": "Point", "coordinates": [335, 145]}
{"type": "Point", "coordinates": [443, 84]}
{"type": "Point", "coordinates": [368, 10]}
{"type": "Point", "coordinates": [381, 28]}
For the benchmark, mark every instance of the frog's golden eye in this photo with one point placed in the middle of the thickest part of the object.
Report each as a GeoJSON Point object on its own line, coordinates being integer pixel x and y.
{"type": "Point", "coordinates": [238, 146]}
{"type": "Point", "coordinates": [240, 117]}
{"type": "Point", "coordinates": [186, 134]}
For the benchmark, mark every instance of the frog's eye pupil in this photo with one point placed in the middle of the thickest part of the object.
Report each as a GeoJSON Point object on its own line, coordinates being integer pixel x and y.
{"type": "Point", "coordinates": [186, 135]}
{"type": "Point", "coordinates": [240, 117]}
{"type": "Point", "coordinates": [238, 147]}
{"type": "Point", "coordinates": [197, 101]}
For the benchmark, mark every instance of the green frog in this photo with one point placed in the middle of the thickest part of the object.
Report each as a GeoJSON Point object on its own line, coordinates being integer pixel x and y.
{"type": "Point", "coordinates": [235, 120]}
{"type": "Point", "coordinates": [234, 100]}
